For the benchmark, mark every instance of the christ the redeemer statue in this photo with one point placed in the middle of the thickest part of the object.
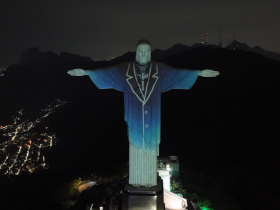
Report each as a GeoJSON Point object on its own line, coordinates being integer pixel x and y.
{"type": "Point", "coordinates": [142, 81]}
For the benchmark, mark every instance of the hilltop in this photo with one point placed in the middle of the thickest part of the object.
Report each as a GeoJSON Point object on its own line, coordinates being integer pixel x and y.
{"type": "Point", "coordinates": [224, 130]}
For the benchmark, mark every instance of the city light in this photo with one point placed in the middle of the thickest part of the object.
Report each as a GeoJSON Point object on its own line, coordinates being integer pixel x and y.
{"type": "Point", "coordinates": [23, 134]}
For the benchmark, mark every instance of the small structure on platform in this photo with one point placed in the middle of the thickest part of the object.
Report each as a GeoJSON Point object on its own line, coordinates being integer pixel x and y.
{"type": "Point", "coordinates": [168, 167]}
{"type": "Point", "coordinates": [168, 170]}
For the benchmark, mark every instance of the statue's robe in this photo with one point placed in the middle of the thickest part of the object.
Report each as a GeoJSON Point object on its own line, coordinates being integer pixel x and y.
{"type": "Point", "coordinates": [142, 110]}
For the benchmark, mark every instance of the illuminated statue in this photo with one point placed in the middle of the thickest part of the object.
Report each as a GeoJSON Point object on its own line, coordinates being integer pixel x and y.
{"type": "Point", "coordinates": [142, 81]}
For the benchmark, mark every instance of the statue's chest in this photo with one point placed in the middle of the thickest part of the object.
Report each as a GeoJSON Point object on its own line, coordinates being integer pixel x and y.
{"type": "Point", "coordinates": [142, 83]}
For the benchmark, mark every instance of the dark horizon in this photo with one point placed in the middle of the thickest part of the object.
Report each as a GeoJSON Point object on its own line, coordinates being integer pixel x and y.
{"type": "Point", "coordinates": [103, 30]}
{"type": "Point", "coordinates": [159, 53]}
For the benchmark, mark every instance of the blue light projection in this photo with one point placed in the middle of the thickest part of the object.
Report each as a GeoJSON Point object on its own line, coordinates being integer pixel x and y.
{"type": "Point", "coordinates": [142, 81]}
{"type": "Point", "coordinates": [142, 96]}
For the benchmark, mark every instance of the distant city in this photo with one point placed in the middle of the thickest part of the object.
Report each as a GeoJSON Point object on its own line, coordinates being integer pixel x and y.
{"type": "Point", "coordinates": [25, 141]}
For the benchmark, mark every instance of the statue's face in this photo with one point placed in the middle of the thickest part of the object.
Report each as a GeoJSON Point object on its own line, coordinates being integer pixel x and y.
{"type": "Point", "coordinates": [143, 54]}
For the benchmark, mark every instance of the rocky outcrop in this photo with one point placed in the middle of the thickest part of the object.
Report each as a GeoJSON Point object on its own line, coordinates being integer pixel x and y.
{"type": "Point", "coordinates": [70, 56]}
{"type": "Point", "coordinates": [31, 53]}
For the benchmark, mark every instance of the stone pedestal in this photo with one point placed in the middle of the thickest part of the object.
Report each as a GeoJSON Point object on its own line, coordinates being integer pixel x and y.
{"type": "Point", "coordinates": [142, 198]}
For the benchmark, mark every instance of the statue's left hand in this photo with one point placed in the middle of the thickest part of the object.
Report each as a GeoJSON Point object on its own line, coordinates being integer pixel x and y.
{"type": "Point", "coordinates": [208, 73]}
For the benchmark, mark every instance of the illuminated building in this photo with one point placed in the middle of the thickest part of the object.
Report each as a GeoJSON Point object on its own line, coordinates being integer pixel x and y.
{"type": "Point", "coordinates": [169, 167]}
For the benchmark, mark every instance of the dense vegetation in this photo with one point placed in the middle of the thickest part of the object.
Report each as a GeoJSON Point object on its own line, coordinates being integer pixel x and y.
{"type": "Point", "coordinates": [55, 189]}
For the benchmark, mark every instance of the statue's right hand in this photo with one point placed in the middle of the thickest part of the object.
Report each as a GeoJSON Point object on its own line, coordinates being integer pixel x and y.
{"type": "Point", "coordinates": [77, 72]}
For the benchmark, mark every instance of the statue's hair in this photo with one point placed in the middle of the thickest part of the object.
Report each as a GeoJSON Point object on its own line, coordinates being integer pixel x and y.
{"type": "Point", "coordinates": [143, 41]}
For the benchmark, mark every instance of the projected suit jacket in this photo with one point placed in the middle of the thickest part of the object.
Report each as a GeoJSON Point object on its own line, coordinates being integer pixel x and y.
{"type": "Point", "coordinates": [143, 108]}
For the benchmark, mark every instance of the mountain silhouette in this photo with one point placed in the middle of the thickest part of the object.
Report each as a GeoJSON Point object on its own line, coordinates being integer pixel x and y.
{"type": "Point", "coordinates": [257, 49]}
{"type": "Point", "coordinates": [33, 55]}
{"type": "Point", "coordinates": [176, 49]}
{"type": "Point", "coordinates": [225, 127]}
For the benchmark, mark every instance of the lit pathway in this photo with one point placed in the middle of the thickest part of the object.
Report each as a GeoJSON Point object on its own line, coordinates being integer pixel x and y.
{"type": "Point", "coordinates": [86, 186]}
{"type": "Point", "coordinates": [173, 201]}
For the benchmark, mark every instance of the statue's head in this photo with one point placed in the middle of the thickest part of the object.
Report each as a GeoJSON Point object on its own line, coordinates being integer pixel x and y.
{"type": "Point", "coordinates": [143, 52]}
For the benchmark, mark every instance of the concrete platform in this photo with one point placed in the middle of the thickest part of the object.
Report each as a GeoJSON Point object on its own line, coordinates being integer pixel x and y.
{"type": "Point", "coordinates": [142, 198]}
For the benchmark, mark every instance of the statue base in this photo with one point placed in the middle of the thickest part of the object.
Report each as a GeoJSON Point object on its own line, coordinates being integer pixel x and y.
{"type": "Point", "coordinates": [142, 198]}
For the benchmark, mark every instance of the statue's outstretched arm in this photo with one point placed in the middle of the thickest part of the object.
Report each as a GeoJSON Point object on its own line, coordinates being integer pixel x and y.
{"type": "Point", "coordinates": [77, 72]}
{"type": "Point", "coordinates": [105, 78]}
{"type": "Point", "coordinates": [208, 73]}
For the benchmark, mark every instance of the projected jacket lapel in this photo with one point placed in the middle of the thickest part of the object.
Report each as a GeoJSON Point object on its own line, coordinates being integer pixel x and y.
{"type": "Point", "coordinates": [132, 80]}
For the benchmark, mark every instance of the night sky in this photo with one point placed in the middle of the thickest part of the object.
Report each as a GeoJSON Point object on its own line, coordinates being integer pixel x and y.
{"type": "Point", "coordinates": [105, 29]}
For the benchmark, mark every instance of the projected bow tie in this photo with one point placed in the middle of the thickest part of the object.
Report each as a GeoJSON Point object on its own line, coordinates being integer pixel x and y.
{"type": "Point", "coordinates": [142, 75]}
